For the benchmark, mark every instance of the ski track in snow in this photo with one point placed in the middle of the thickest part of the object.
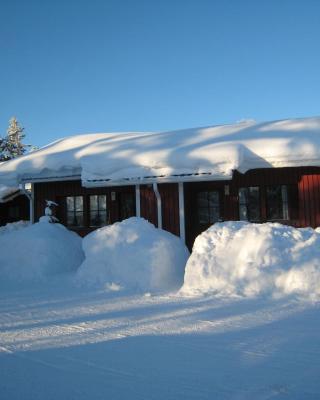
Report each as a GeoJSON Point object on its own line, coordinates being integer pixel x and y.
{"type": "Point", "coordinates": [79, 344]}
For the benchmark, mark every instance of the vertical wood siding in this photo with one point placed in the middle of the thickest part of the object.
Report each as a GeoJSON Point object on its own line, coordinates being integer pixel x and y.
{"type": "Point", "coordinates": [169, 206]}
{"type": "Point", "coordinates": [303, 184]}
{"type": "Point", "coordinates": [57, 191]}
{"type": "Point", "coordinates": [148, 204]}
{"type": "Point", "coordinates": [309, 200]}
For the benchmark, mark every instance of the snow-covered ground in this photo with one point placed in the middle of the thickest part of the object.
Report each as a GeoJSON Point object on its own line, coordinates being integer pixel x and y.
{"type": "Point", "coordinates": [59, 342]}
{"type": "Point", "coordinates": [244, 326]}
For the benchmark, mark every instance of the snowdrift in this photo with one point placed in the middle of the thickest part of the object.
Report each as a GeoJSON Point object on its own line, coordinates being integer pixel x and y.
{"type": "Point", "coordinates": [35, 252]}
{"type": "Point", "coordinates": [239, 258]}
{"type": "Point", "coordinates": [133, 255]}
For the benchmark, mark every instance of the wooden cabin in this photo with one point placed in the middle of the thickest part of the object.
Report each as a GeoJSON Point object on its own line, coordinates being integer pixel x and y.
{"type": "Point", "coordinates": [287, 195]}
{"type": "Point", "coordinates": [181, 181]}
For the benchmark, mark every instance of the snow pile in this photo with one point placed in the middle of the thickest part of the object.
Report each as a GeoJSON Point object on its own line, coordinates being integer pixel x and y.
{"type": "Point", "coordinates": [13, 226]}
{"type": "Point", "coordinates": [133, 255]}
{"type": "Point", "coordinates": [37, 251]}
{"type": "Point", "coordinates": [214, 152]}
{"type": "Point", "coordinates": [239, 258]}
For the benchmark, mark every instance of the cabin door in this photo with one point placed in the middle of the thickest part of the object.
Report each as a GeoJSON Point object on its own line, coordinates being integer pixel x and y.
{"type": "Point", "coordinates": [203, 209]}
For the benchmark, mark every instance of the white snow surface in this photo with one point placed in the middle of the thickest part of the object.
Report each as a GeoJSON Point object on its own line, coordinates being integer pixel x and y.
{"type": "Point", "coordinates": [212, 151]}
{"type": "Point", "coordinates": [133, 255]}
{"type": "Point", "coordinates": [240, 258]}
{"type": "Point", "coordinates": [13, 226]}
{"type": "Point", "coordinates": [60, 342]}
{"type": "Point", "coordinates": [37, 252]}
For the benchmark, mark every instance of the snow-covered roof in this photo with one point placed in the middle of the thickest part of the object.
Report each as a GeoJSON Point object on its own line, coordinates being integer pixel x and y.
{"type": "Point", "coordinates": [190, 154]}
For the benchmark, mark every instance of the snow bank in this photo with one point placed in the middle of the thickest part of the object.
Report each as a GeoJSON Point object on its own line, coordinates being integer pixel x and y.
{"type": "Point", "coordinates": [37, 251]}
{"type": "Point", "coordinates": [239, 258]}
{"type": "Point", "coordinates": [13, 226]}
{"type": "Point", "coordinates": [134, 255]}
{"type": "Point", "coordinates": [214, 152]}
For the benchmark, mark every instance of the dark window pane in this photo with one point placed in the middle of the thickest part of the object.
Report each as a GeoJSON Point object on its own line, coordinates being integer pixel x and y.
{"type": "Point", "coordinates": [93, 202]}
{"type": "Point", "coordinates": [74, 219]}
{"type": "Point", "coordinates": [249, 204]}
{"type": "Point", "coordinates": [74, 210]}
{"type": "Point", "coordinates": [204, 215]}
{"type": "Point", "coordinates": [214, 215]}
{"type": "Point", "coordinates": [70, 203]}
{"type": "Point", "coordinates": [208, 207]}
{"type": "Point", "coordinates": [243, 195]}
{"type": "Point", "coordinates": [277, 202]}
{"type": "Point", "coordinates": [79, 218]}
{"type": "Point", "coordinates": [203, 202]}
{"type": "Point", "coordinates": [103, 202]}
{"type": "Point", "coordinates": [79, 203]}
{"type": "Point", "coordinates": [98, 210]}
{"type": "Point", "coordinates": [243, 214]}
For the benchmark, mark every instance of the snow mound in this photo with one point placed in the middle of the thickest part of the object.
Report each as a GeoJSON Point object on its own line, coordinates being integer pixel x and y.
{"type": "Point", "coordinates": [37, 251]}
{"type": "Point", "coordinates": [133, 255]}
{"type": "Point", "coordinates": [240, 258]}
{"type": "Point", "coordinates": [13, 226]}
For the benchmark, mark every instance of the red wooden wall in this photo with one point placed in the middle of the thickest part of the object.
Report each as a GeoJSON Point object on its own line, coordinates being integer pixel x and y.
{"type": "Point", "coordinates": [309, 200]}
{"type": "Point", "coordinates": [169, 204]}
{"type": "Point", "coordinates": [304, 212]}
{"type": "Point", "coordinates": [57, 191]}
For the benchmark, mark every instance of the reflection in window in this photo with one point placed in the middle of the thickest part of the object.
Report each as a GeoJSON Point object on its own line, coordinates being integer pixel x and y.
{"type": "Point", "coordinates": [249, 204]}
{"type": "Point", "coordinates": [98, 210]}
{"type": "Point", "coordinates": [75, 211]}
{"type": "Point", "coordinates": [208, 207]}
{"type": "Point", "coordinates": [277, 202]}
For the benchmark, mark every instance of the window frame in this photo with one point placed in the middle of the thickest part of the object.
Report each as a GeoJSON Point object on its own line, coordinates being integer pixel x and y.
{"type": "Point", "coordinates": [74, 211]}
{"type": "Point", "coordinates": [248, 204]}
{"type": "Point", "coordinates": [209, 208]}
{"type": "Point", "coordinates": [99, 210]}
{"type": "Point", "coordinates": [284, 206]}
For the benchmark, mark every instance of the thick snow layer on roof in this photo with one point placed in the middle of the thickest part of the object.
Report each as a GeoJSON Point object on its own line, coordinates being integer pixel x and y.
{"type": "Point", "coordinates": [213, 151]}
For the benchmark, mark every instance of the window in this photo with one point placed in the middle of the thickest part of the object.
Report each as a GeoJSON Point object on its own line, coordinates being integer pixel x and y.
{"type": "Point", "coordinates": [208, 207]}
{"type": "Point", "coordinates": [249, 204]}
{"type": "Point", "coordinates": [74, 211]}
{"type": "Point", "coordinates": [98, 210]}
{"type": "Point", "coordinates": [277, 202]}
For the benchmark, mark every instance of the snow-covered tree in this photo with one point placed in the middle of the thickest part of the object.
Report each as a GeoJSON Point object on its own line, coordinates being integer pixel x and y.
{"type": "Point", "coordinates": [11, 146]}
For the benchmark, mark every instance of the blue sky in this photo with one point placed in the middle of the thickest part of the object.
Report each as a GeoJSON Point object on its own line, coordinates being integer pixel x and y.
{"type": "Point", "coordinates": [80, 66]}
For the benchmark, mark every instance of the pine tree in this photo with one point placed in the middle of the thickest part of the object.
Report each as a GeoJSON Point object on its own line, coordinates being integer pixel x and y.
{"type": "Point", "coordinates": [11, 146]}
{"type": "Point", "coordinates": [14, 136]}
